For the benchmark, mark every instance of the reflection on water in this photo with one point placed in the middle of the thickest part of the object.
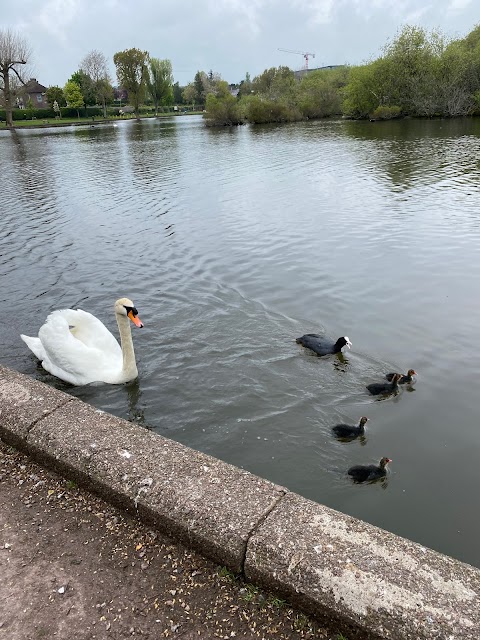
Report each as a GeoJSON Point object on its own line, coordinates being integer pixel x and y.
{"type": "Point", "coordinates": [233, 242]}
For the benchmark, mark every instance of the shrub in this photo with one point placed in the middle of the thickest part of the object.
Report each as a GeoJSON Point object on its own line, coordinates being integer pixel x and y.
{"type": "Point", "coordinates": [222, 111]}
{"type": "Point", "coordinates": [384, 112]}
{"type": "Point", "coordinates": [259, 111]}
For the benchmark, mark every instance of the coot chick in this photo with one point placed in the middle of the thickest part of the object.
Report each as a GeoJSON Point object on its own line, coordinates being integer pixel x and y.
{"type": "Point", "coordinates": [323, 346]}
{"type": "Point", "coordinates": [384, 388]}
{"type": "Point", "coordinates": [365, 473]}
{"type": "Point", "coordinates": [404, 379]}
{"type": "Point", "coordinates": [350, 430]}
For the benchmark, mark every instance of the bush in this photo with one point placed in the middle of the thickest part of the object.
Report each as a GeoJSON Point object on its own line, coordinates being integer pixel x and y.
{"type": "Point", "coordinates": [222, 111]}
{"type": "Point", "coordinates": [260, 111]}
{"type": "Point", "coordinates": [24, 114]}
{"type": "Point", "coordinates": [384, 112]}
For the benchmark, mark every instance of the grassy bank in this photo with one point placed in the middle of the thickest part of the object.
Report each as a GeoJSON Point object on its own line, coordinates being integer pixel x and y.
{"type": "Point", "coordinates": [63, 122]}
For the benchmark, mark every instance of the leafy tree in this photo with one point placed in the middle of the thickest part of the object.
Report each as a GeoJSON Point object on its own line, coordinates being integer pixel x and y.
{"type": "Point", "coordinates": [364, 91]}
{"type": "Point", "coordinates": [189, 94]}
{"type": "Point", "coordinates": [159, 82]}
{"type": "Point", "coordinates": [178, 93]}
{"type": "Point", "coordinates": [276, 84]}
{"type": "Point", "coordinates": [245, 86]}
{"type": "Point", "coordinates": [200, 82]}
{"type": "Point", "coordinates": [94, 65]}
{"type": "Point", "coordinates": [55, 94]}
{"type": "Point", "coordinates": [412, 59]}
{"type": "Point", "coordinates": [85, 82]}
{"type": "Point", "coordinates": [131, 66]}
{"type": "Point", "coordinates": [14, 52]}
{"type": "Point", "coordinates": [462, 65]}
{"type": "Point", "coordinates": [319, 93]}
{"type": "Point", "coordinates": [222, 108]}
{"type": "Point", "coordinates": [73, 95]}
{"type": "Point", "coordinates": [260, 110]}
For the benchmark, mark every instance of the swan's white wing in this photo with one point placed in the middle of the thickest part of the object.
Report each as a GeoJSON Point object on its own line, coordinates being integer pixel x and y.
{"type": "Point", "coordinates": [34, 345]}
{"type": "Point", "coordinates": [92, 358]}
{"type": "Point", "coordinates": [90, 330]}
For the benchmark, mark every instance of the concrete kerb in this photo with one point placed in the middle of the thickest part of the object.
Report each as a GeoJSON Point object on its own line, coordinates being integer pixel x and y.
{"type": "Point", "coordinates": [362, 579]}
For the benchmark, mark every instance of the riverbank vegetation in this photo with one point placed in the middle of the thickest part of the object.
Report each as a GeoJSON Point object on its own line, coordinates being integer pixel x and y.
{"type": "Point", "coordinates": [420, 74]}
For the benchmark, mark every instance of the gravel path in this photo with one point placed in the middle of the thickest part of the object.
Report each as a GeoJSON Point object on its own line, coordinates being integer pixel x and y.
{"type": "Point", "coordinates": [72, 566]}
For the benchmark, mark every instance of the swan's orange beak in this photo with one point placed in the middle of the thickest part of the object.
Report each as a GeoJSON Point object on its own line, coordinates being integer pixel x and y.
{"type": "Point", "coordinates": [135, 319]}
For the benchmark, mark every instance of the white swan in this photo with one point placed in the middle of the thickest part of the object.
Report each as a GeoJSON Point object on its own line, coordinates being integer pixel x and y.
{"type": "Point", "coordinates": [76, 347]}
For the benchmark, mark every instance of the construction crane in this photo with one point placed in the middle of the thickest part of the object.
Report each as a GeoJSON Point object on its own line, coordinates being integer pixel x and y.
{"type": "Point", "coordinates": [305, 54]}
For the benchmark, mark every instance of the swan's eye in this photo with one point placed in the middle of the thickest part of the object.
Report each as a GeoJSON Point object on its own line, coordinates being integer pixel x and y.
{"type": "Point", "coordinates": [132, 310]}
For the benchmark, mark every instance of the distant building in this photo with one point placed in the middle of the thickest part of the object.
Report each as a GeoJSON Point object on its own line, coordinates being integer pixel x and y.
{"type": "Point", "coordinates": [120, 95]}
{"type": "Point", "coordinates": [34, 91]}
{"type": "Point", "coordinates": [303, 72]}
{"type": "Point", "coordinates": [234, 89]}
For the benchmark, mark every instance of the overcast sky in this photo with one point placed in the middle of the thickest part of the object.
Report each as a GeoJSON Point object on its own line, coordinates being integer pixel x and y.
{"type": "Point", "coordinates": [230, 37]}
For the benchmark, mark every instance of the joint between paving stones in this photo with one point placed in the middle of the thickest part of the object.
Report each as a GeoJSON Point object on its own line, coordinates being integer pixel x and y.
{"type": "Point", "coordinates": [258, 524]}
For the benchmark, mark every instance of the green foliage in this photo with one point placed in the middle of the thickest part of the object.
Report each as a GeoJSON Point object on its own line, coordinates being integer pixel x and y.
{"type": "Point", "coordinates": [249, 592]}
{"type": "Point", "coordinates": [226, 573]}
{"type": "Point", "coordinates": [319, 92]}
{"type": "Point", "coordinates": [259, 110]}
{"type": "Point", "coordinates": [421, 73]}
{"type": "Point", "coordinates": [246, 87]}
{"type": "Point", "coordinates": [366, 89]}
{"type": "Point", "coordinates": [159, 80]}
{"type": "Point", "coordinates": [222, 109]}
{"type": "Point", "coordinates": [189, 94]}
{"type": "Point", "coordinates": [44, 114]}
{"type": "Point", "coordinates": [86, 84]}
{"type": "Point", "coordinates": [384, 112]}
{"type": "Point", "coordinates": [73, 95]}
{"type": "Point", "coordinates": [200, 83]}
{"type": "Point", "coordinates": [55, 94]}
{"type": "Point", "coordinates": [131, 66]}
{"type": "Point", "coordinates": [178, 93]}
{"type": "Point", "coordinates": [277, 83]}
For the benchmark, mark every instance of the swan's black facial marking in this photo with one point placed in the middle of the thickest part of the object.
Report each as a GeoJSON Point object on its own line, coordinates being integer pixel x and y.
{"type": "Point", "coordinates": [131, 309]}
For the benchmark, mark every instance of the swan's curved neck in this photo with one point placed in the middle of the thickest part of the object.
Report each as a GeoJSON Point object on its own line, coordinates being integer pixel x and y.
{"type": "Point", "coordinates": [129, 365]}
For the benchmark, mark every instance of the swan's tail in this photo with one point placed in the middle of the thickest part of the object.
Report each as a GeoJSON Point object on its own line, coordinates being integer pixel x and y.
{"type": "Point", "coordinates": [35, 345]}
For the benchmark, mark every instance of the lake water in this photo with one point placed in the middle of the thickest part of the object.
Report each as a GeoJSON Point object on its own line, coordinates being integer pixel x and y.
{"type": "Point", "coordinates": [232, 243]}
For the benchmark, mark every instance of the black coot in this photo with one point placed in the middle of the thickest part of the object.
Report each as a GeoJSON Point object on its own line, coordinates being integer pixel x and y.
{"type": "Point", "coordinates": [404, 379]}
{"type": "Point", "coordinates": [349, 430]}
{"type": "Point", "coordinates": [323, 346]}
{"type": "Point", "coordinates": [368, 472]}
{"type": "Point", "coordinates": [384, 388]}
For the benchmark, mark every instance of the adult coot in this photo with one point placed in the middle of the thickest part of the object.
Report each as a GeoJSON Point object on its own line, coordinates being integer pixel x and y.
{"type": "Point", "coordinates": [350, 430]}
{"type": "Point", "coordinates": [323, 346]}
{"type": "Point", "coordinates": [404, 379]}
{"type": "Point", "coordinates": [365, 473]}
{"type": "Point", "coordinates": [385, 388]}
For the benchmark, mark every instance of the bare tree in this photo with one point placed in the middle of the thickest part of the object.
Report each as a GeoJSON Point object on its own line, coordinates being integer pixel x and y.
{"type": "Point", "coordinates": [14, 52]}
{"type": "Point", "coordinates": [95, 65]}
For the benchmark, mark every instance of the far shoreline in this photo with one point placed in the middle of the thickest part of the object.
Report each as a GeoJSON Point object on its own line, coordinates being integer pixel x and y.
{"type": "Point", "coordinates": [84, 122]}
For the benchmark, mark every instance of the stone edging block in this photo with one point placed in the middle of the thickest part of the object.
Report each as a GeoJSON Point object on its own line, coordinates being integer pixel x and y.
{"type": "Point", "coordinates": [369, 578]}
{"type": "Point", "coordinates": [365, 581]}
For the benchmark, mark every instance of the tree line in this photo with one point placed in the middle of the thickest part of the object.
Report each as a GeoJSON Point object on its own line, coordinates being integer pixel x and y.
{"type": "Point", "coordinates": [419, 73]}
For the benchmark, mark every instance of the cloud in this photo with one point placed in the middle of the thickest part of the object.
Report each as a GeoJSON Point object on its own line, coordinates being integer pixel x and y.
{"type": "Point", "coordinates": [247, 11]}
{"type": "Point", "coordinates": [228, 36]}
{"type": "Point", "coordinates": [56, 16]}
{"type": "Point", "coordinates": [458, 5]}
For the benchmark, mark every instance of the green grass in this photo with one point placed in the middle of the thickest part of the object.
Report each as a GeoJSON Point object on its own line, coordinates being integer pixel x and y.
{"type": "Point", "coordinates": [250, 592]}
{"type": "Point", "coordinates": [60, 122]}
{"type": "Point", "coordinates": [226, 573]}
